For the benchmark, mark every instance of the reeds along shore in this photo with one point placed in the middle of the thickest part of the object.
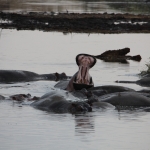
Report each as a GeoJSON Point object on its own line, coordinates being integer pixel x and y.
{"type": "Point", "coordinates": [75, 22]}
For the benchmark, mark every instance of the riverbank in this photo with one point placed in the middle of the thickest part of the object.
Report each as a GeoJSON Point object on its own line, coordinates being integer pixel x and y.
{"type": "Point", "coordinates": [75, 22]}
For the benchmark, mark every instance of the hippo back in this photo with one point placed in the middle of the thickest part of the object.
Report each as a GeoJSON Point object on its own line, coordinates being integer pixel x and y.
{"type": "Point", "coordinates": [126, 99]}
{"type": "Point", "coordinates": [61, 101]}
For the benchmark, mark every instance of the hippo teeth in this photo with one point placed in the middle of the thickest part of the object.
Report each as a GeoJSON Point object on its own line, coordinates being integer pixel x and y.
{"type": "Point", "coordinates": [83, 76]}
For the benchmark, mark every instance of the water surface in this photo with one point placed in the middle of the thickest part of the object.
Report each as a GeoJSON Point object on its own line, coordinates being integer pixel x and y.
{"type": "Point", "coordinates": [77, 6]}
{"type": "Point", "coordinates": [23, 127]}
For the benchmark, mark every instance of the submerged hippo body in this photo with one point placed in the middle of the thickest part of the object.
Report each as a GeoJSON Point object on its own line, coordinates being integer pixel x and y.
{"type": "Point", "coordinates": [99, 90]}
{"type": "Point", "coordinates": [2, 97]}
{"type": "Point", "coordinates": [62, 102]}
{"type": "Point", "coordinates": [116, 95]}
{"type": "Point", "coordinates": [56, 101]}
{"type": "Point", "coordinates": [142, 82]}
{"type": "Point", "coordinates": [134, 99]}
{"type": "Point", "coordinates": [7, 76]}
{"type": "Point", "coordinates": [106, 89]}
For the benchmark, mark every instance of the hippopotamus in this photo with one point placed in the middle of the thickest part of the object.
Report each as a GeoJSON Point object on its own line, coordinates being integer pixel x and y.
{"type": "Point", "coordinates": [82, 78]}
{"type": "Point", "coordinates": [106, 89]}
{"type": "Point", "coordinates": [2, 97]}
{"type": "Point", "coordinates": [95, 103]}
{"type": "Point", "coordinates": [58, 101]}
{"type": "Point", "coordinates": [7, 76]}
{"type": "Point", "coordinates": [142, 82]}
{"type": "Point", "coordinates": [79, 86]}
{"type": "Point", "coordinates": [98, 90]}
{"type": "Point", "coordinates": [114, 95]}
{"type": "Point", "coordinates": [20, 97]}
{"type": "Point", "coordinates": [133, 99]}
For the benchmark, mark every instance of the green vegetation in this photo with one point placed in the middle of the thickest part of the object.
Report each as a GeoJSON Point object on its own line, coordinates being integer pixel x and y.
{"type": "Point", "coordinates": [147, 71]}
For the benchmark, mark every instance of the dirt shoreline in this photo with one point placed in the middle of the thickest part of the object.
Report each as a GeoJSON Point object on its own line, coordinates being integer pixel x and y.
{"type": "Point", "coordinates": [75, 22]}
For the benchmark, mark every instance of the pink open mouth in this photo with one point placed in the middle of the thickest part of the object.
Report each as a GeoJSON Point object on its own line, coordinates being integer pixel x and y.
{"type": "Point", "coordinates": [83, 76]}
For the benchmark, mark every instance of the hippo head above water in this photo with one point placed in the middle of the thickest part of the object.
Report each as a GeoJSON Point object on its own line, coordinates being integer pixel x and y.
{"type": "Point", "coordinates": [56, 101]}
{"type": "Point", "coordinates": [82, 78]}
{"type": "Point", "coordinates": [77, 107]}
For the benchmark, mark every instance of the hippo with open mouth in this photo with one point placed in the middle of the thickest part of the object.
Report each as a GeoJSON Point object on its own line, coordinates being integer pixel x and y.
{"type": "Point", "coordinates": [81, 86]}
{"type": "Point", "coordinates": [82, 78]}
{"type": "Point", "coordinates": [56, 100]}
{"type": "Point", "coordinates": [104, 94]}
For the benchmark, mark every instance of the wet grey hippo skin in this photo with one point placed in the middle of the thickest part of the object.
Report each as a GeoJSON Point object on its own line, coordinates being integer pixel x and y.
{"type": "Point", "coordinates": [115, 95]}
{"type": "Point", "coordinates": [99, 90]}
{"type": "Point", "coordinates": [142, 82]}
{"type": "Point", "coordinates": [56, 101]}
{"type": "Point", "coordinates": [95, 103]}
{"type": "Point", "coordinates": [134, 99]}
{"type": "Point", "coordinates": [7, 76]}
{"type": "Point", "coordinates": [2, 97]}
{"type": "Point", "coordinates": [106, 89]}
{"type": "Point", "coordinates": [147, 109]}
{"type": "Point", "coordinates": [62, 84]}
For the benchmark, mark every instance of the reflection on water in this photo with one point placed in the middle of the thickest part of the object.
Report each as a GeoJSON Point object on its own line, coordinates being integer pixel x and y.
{"type": "Point", "coordinates": [131, 114]}
{"type": "Point", "coordinates": [29, 128]}
{"type": "Point", "coordinates": [80, 6]}
{"type": "Point", "coordinates": [136, 8]}
{"type": "Point", "coordinates": [84, 124]}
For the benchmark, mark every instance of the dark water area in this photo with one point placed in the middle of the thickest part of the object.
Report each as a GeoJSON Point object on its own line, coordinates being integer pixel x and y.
{"type": "Point", "coordinates": [77, 6]}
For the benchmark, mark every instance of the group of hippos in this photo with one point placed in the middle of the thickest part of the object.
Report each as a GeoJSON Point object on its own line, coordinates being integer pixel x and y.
{"type": "Point", "coordinates": [77, 94]}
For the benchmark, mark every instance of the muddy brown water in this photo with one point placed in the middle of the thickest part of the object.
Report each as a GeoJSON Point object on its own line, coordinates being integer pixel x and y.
{"type": "Point", "coordinates": [23, 127]}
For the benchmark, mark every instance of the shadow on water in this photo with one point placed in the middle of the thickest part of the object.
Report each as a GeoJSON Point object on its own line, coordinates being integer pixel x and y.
{"type": "Point", "coordinates": [79, 6]}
